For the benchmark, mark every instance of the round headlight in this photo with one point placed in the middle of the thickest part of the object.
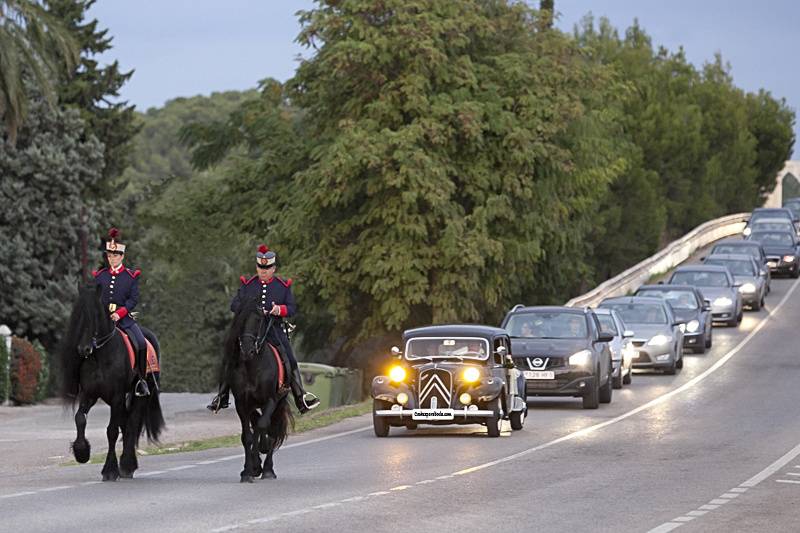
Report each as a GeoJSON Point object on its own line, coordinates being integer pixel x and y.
{"type": "Point", "coordinates": [659, 340]}
{"type": "Point", "coordinates": [397, 374]}
{"type": "Point", "coordinates": [465, 399]}
{"type": "Point", "coordinates": [471, 374]}
{"type": "Point", "coordinates": [692, 326]}
{"type": "Point", "coordinates": [402, 398]}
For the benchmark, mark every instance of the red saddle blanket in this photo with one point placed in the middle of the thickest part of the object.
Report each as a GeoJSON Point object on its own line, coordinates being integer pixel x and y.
{"type": "Point", "coordinates": [152, 359]}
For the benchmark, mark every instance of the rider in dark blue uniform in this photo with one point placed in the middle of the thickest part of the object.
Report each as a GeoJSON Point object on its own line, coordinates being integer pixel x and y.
{"type": "Point", "coordinates": [120, 297]}
{"type": "Point", "coordinates": [276, 298]}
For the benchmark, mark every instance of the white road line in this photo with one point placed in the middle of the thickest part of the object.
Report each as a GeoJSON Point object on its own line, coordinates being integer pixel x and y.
{"type": "Point", "coordinates": [791, 474]}
{"type": "Point", "coordinates": [182, 467]}
{"type": "Point", "coordinates": [16, 494]}
{"type": "Point", "coordinates": [774, 467]}
{"type": "Point", "coordinates": [153, 473]}
{"type": "Point", "coordinates": [729, 495]}
{"type": "Point", "coordinates": [378, 493]}
{"type": "Point", "coordinates": [740, 490]}
{"type": "Point", "coordinates": [53, 489]}
{"type": "Point", "coordinates": [669, 526]}
{"type": "Point", "coordinates": [696, 513]}
{"type": "Point", "coordinates": [718, 501]}
{"type": "Point", "coordinates": [401, 487]}
{"type": "Point", "coordinates": [684, 519]}
{"type": "Point", "coordinates": [788, 481]}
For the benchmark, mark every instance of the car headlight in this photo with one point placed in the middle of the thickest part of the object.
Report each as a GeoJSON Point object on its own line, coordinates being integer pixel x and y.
{"type": "Point", "coordinates": [659, 340]}
{"type": "Point", "coordinates": [471, 374]}
{"type": "Point", "coordinates": [692, 326]}
{"type": "Point", "coordinates": [788, 258]}
{"type": "Point", "coordinates": [397, 374]}
{"type": "Point", "coordinates": [581, 358]}
{"type": "Point", "coordinates": [747, 232]}
{"type": "Point", "coordinates": [628, 352]}
{"type": "Point", "coordinates": [747, 288]}
{"type": "Point", "coordinates": [722, 301]}
{"type": "Point", "coordinates": [402, 398]}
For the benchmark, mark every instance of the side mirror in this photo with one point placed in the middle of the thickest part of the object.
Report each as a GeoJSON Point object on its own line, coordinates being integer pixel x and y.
{"type": "Point", "coordinates": [500, 355]}
{"type": "Point", "coordinates": [703, 258]}
{"type": "Point", "coordinates": [661, 282]}
{"type": "Point", "coordinates": [605, 336]}
{"type": "Point", "coordinates": [762, 273]}
{"type": "Point", "coordinates": [627, 334]}
{"type": "Point", "coordinates": [396, 353]}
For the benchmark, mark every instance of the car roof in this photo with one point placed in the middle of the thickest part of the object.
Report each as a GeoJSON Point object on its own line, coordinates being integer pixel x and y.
{"type": "Point", "coordinates": [738, 242]}
{"type": "Point", "coordinates": [731, 257]}
{"type": "Point", "coordinates": [772, 231]}
{"type": "Point", "coordinates": [664, 287]}
{"type": "Point", "coordinates": [551, 308]}
{"type": "Point", "coordinates": [456, 330]}
{"type": "Point", "coordinates": [702, 268]}
{"type": "Point", "coordinates": [770, 210]}
{"type": "Point", "coordinates": [772, 220]}
{"type": "Point", "coordinates": [635, 300]}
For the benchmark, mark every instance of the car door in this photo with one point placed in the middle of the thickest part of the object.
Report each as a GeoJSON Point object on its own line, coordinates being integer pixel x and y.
{"type": "Point", "coordinates": [602, 348]}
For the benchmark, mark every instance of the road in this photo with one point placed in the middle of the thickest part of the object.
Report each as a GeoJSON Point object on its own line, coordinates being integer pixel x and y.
{"type": "Point", "coordinates": [714, 448]}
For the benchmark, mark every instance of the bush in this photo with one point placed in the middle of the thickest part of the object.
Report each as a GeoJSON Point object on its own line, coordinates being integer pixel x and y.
{"type": "Point", "coordinates": [26, 366]}
{"type": "Point", "coordinates": [43, 389]}
{"type": "Point", "coordinates": [5, 383]}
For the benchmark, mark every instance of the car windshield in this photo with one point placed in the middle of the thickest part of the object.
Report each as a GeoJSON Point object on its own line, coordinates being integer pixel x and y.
{"type": "Point", "coordinates": [444, 347]}
{"type": "Point", "coordinates": [678, 299]}
{"type": "Point", "coordinates": [750, 248]}
{"type": "Point", "coordinates": [700, 278]}
{"type": "Point", "coordinates": [639, 313]}
{"type": "Point", "coordinates": [548, 325]}
{"type": "Point", "coordinates": [774, 238]}
{"type": "Point", "coordinates": [794, 207]}
{"type": "Point", "coordinates": [779, 213]}
{"type": "Point", "coordinates": [736, 266]}
{"type": "Point", "coordinates": [773, 225]}
{"type": "Point", "coordinates": [607, 323]}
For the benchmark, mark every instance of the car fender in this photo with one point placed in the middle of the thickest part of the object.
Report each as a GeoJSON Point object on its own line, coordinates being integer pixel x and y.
{"type": "Point", "coordinates": [385, 389]}
{"type": "Point", "coordinates": [487, 389]}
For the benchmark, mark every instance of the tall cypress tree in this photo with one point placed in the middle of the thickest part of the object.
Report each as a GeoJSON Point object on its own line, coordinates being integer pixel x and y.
{"type": "Point", "coordinates": [93, 89]}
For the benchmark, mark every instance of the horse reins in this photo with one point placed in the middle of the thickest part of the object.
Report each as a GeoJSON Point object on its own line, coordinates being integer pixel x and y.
{"type": "Point", "coordinates": [97, 344]}
{"type": "Point", "coordinates": [260, 339]}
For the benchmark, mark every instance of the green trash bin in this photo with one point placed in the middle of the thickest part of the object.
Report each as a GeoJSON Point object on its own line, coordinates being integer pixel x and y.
{"type": "Point", "coordinates": [352, 386]}
{"type": "Point", "coordinates": [320, 379]}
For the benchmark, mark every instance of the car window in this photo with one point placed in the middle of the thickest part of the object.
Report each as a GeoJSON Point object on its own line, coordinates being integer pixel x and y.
{"type": "Point", "coordinates": [780, 213]}
{"type": "Point", "coordinates": [737, 267]}
{"type": "Point", "coordinates": [700, 278]}
{"type": "Point", "coordinates": [678, 299]}
{"type": "Point", "coordinates": [607, 323]}
{"type": "Point", "coordinates": [548, 325]}
{"type": "Point", "coordinates": [751, 249]}
{"type": "Point", "coordinates": [443, 347]}
{"type": "Point", "coordinates": [639, 313]}
{"type": "Point", "coordinates": [773, 226]}
{"type": "Point", "coordinates": [774, 239]}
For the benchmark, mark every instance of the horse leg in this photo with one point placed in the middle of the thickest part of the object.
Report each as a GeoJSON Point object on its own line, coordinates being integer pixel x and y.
{"type": "Point", "coordinates": [131, 424]}
{"type": "Point", "coordinates": [246, 475]}
{"type": "Point", "coordinates": [81, 448]}
{"type": "Point", "coordinates": [263, 426]}
{"type": "Point", "coordinates": [258, 443]}
{"type": "Point", "coordinates": [111, 468]}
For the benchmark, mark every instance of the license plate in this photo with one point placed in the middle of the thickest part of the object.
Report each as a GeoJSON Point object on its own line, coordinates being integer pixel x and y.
{"type": "Point", "coordinates": [432, 414]}
{"type": "Point", "coordinates": [540, 374]}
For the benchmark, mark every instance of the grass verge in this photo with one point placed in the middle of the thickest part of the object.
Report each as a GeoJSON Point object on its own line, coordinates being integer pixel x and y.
{"type": "Point", "coordinates": [307, 422]}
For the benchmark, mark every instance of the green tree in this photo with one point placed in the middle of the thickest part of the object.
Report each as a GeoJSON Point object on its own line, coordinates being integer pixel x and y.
{"type": "Point", "coordinates": [94, 90]}
{"type": "Point", "coordinates": [33, 43]}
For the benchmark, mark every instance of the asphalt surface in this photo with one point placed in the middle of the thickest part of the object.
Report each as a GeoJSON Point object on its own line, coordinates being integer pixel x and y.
{"type": "Point", "coordinates": [714, 448]}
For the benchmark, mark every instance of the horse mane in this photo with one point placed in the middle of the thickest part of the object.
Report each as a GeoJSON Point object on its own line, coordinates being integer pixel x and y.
{"type": "Point", "coordinates": [231, 345]}
{"type": "Point", "coordinates": [68, 360]}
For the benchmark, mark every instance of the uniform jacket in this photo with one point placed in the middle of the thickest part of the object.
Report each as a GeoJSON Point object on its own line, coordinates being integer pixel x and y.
{"type": "Point", "coordinates": [276, 291]}
{"type": "Point", "coordinates": [120, 287]}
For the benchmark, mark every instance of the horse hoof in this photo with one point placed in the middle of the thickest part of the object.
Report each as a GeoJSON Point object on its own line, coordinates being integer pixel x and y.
{"type": "Point", "coordinates": [247, 479]}
{"type": "Point", "coordinates": [269, 474]}
{"type": "Point", "coordinates": [82, 451]}
{"type": "Point", "coordinates": [110, 477]}
{"type": "Point", "coordinates": [124, 474]}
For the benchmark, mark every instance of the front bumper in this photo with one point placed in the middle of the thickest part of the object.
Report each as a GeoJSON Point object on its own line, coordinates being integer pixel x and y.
{"type": "Point", "coordinates": [723, 313]}
{"type": "Point", "coordinates": [691, 340]}
{"type": "Point", "coordinates": [567, 382]}
{"type": "Point", "coordinates": [459, 415]}
{"type": "Point", "coordinates": [652, 356]}
{"type": "Point", "coordinates": [750, 298]}
{"type": "Point", "coordinates": [779, 266]}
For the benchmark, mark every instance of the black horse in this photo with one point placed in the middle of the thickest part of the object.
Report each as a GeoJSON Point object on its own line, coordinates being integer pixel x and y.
{"type": "Point", "coordinates": [251, 369]}
{"type": "Point", "coordinates": [94, 365]}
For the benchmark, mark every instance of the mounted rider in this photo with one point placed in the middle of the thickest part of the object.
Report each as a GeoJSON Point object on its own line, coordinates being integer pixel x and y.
{"type": "Point", "coordinates": [276, 299]}
{"type": "Point", "coordinates": [120, 296]}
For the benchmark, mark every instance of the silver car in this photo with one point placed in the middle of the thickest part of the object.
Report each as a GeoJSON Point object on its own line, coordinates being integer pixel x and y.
{"type": "Point", "coordinates": [657, 333]}
{"type": "Point", "coordinates": [622, 350]}
{"type": "Point", "coordinates": [717, 285]}
{"type": "Point", "coordinates": [749, 277]}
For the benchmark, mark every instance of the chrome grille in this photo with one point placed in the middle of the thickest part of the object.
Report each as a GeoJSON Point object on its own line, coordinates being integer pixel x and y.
{"type": "Point", "coordinates": [435, 388]}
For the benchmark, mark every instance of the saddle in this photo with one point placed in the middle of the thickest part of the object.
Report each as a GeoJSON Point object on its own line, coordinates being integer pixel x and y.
{"type": "Point", "coordinates": [152, 358]}
{"type": "Point", "coordinates": [281, 367]}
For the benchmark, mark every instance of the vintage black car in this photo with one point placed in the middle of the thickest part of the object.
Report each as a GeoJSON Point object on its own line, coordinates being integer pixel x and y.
{"type": "Point", "coordinates": [450, 374]}
{"type": "Point", "coordinates": [562, 351]}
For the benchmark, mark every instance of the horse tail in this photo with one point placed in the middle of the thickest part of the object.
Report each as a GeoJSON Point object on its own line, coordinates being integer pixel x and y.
{"type": "Point", "coordinates": [153, 417]}
{"type": "Point", "coordinates": [282, 420]}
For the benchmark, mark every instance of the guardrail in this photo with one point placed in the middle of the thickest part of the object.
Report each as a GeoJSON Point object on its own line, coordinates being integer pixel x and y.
{"type": "Point", "coordinates": [674, 254]}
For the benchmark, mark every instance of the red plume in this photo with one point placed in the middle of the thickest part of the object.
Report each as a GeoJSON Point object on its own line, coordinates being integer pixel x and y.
{"type": "Point", "coordinates": [263, 249]}
{"type": "Point", "coordinates": [113, 233]}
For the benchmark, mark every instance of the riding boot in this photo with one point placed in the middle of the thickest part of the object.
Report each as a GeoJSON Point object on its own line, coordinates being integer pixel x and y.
{"type": "Point", "coordinates": [141, 371]}
{"type": "Point", "coordinates": [305, 401]}
{"type": "Point", "coordinates": [221, 400]}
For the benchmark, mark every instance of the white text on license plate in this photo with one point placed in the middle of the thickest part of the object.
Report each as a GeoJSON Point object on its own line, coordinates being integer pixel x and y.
{"type": "Point", "coordinates": [432, 414]}
{"type": "Point", "coordinates": [540, 374]}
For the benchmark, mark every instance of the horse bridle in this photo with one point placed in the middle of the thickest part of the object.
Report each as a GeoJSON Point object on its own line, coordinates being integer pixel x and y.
{"type": "Point", "coordinates": [259, 339]}
{"type": "Point", "coordinates": [97, 344]}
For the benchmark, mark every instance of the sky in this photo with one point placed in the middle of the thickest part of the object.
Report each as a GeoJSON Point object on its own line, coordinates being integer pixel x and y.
{"type": "Point", "coordinates": [189, 47]}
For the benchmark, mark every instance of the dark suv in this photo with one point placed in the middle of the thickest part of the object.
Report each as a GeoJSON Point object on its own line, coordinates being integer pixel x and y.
{"type": "Point", "coordinates": [562, 351]}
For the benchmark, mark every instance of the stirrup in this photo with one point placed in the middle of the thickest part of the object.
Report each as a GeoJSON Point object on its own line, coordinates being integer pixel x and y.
{"type": "Point", "coordinates": [141, 388]}
{"type": "Point", "coordinates": [217, 403]}
{"type": "Point", "coordinates": [310, 404]}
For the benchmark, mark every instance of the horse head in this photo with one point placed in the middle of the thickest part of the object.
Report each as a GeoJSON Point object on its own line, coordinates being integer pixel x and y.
{"type": "Point", "coordinates": [253, 333]}
{"type": "Point", "coordinates": [89, 305]}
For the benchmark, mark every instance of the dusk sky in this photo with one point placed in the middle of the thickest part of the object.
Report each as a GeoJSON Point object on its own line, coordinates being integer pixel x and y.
{"type": "Point", "coordinates": [189, 47]}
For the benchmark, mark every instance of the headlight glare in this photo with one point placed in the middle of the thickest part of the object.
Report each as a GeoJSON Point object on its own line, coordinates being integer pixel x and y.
{"type": "Point", "coordinates": [747, 288]}
{"type": "Point", "coordinates": [722, 301]}
{"type": "Point", "coordinates": [788, 258]}
{"type": "Point", "coordinates": [397, 374]}
{"type": "Point", "coordinates": [471, 374]}
{"type": "Point", "coordinates": [659, 340]}
{"type": "Point", "coordinates": [747, 231]}
{"type": "Point", "coordinates": [692, 326]}
{"type": "Point", "coordinates": [402, 398]}
{"type": "Point", "coordinates": [581, 358]}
